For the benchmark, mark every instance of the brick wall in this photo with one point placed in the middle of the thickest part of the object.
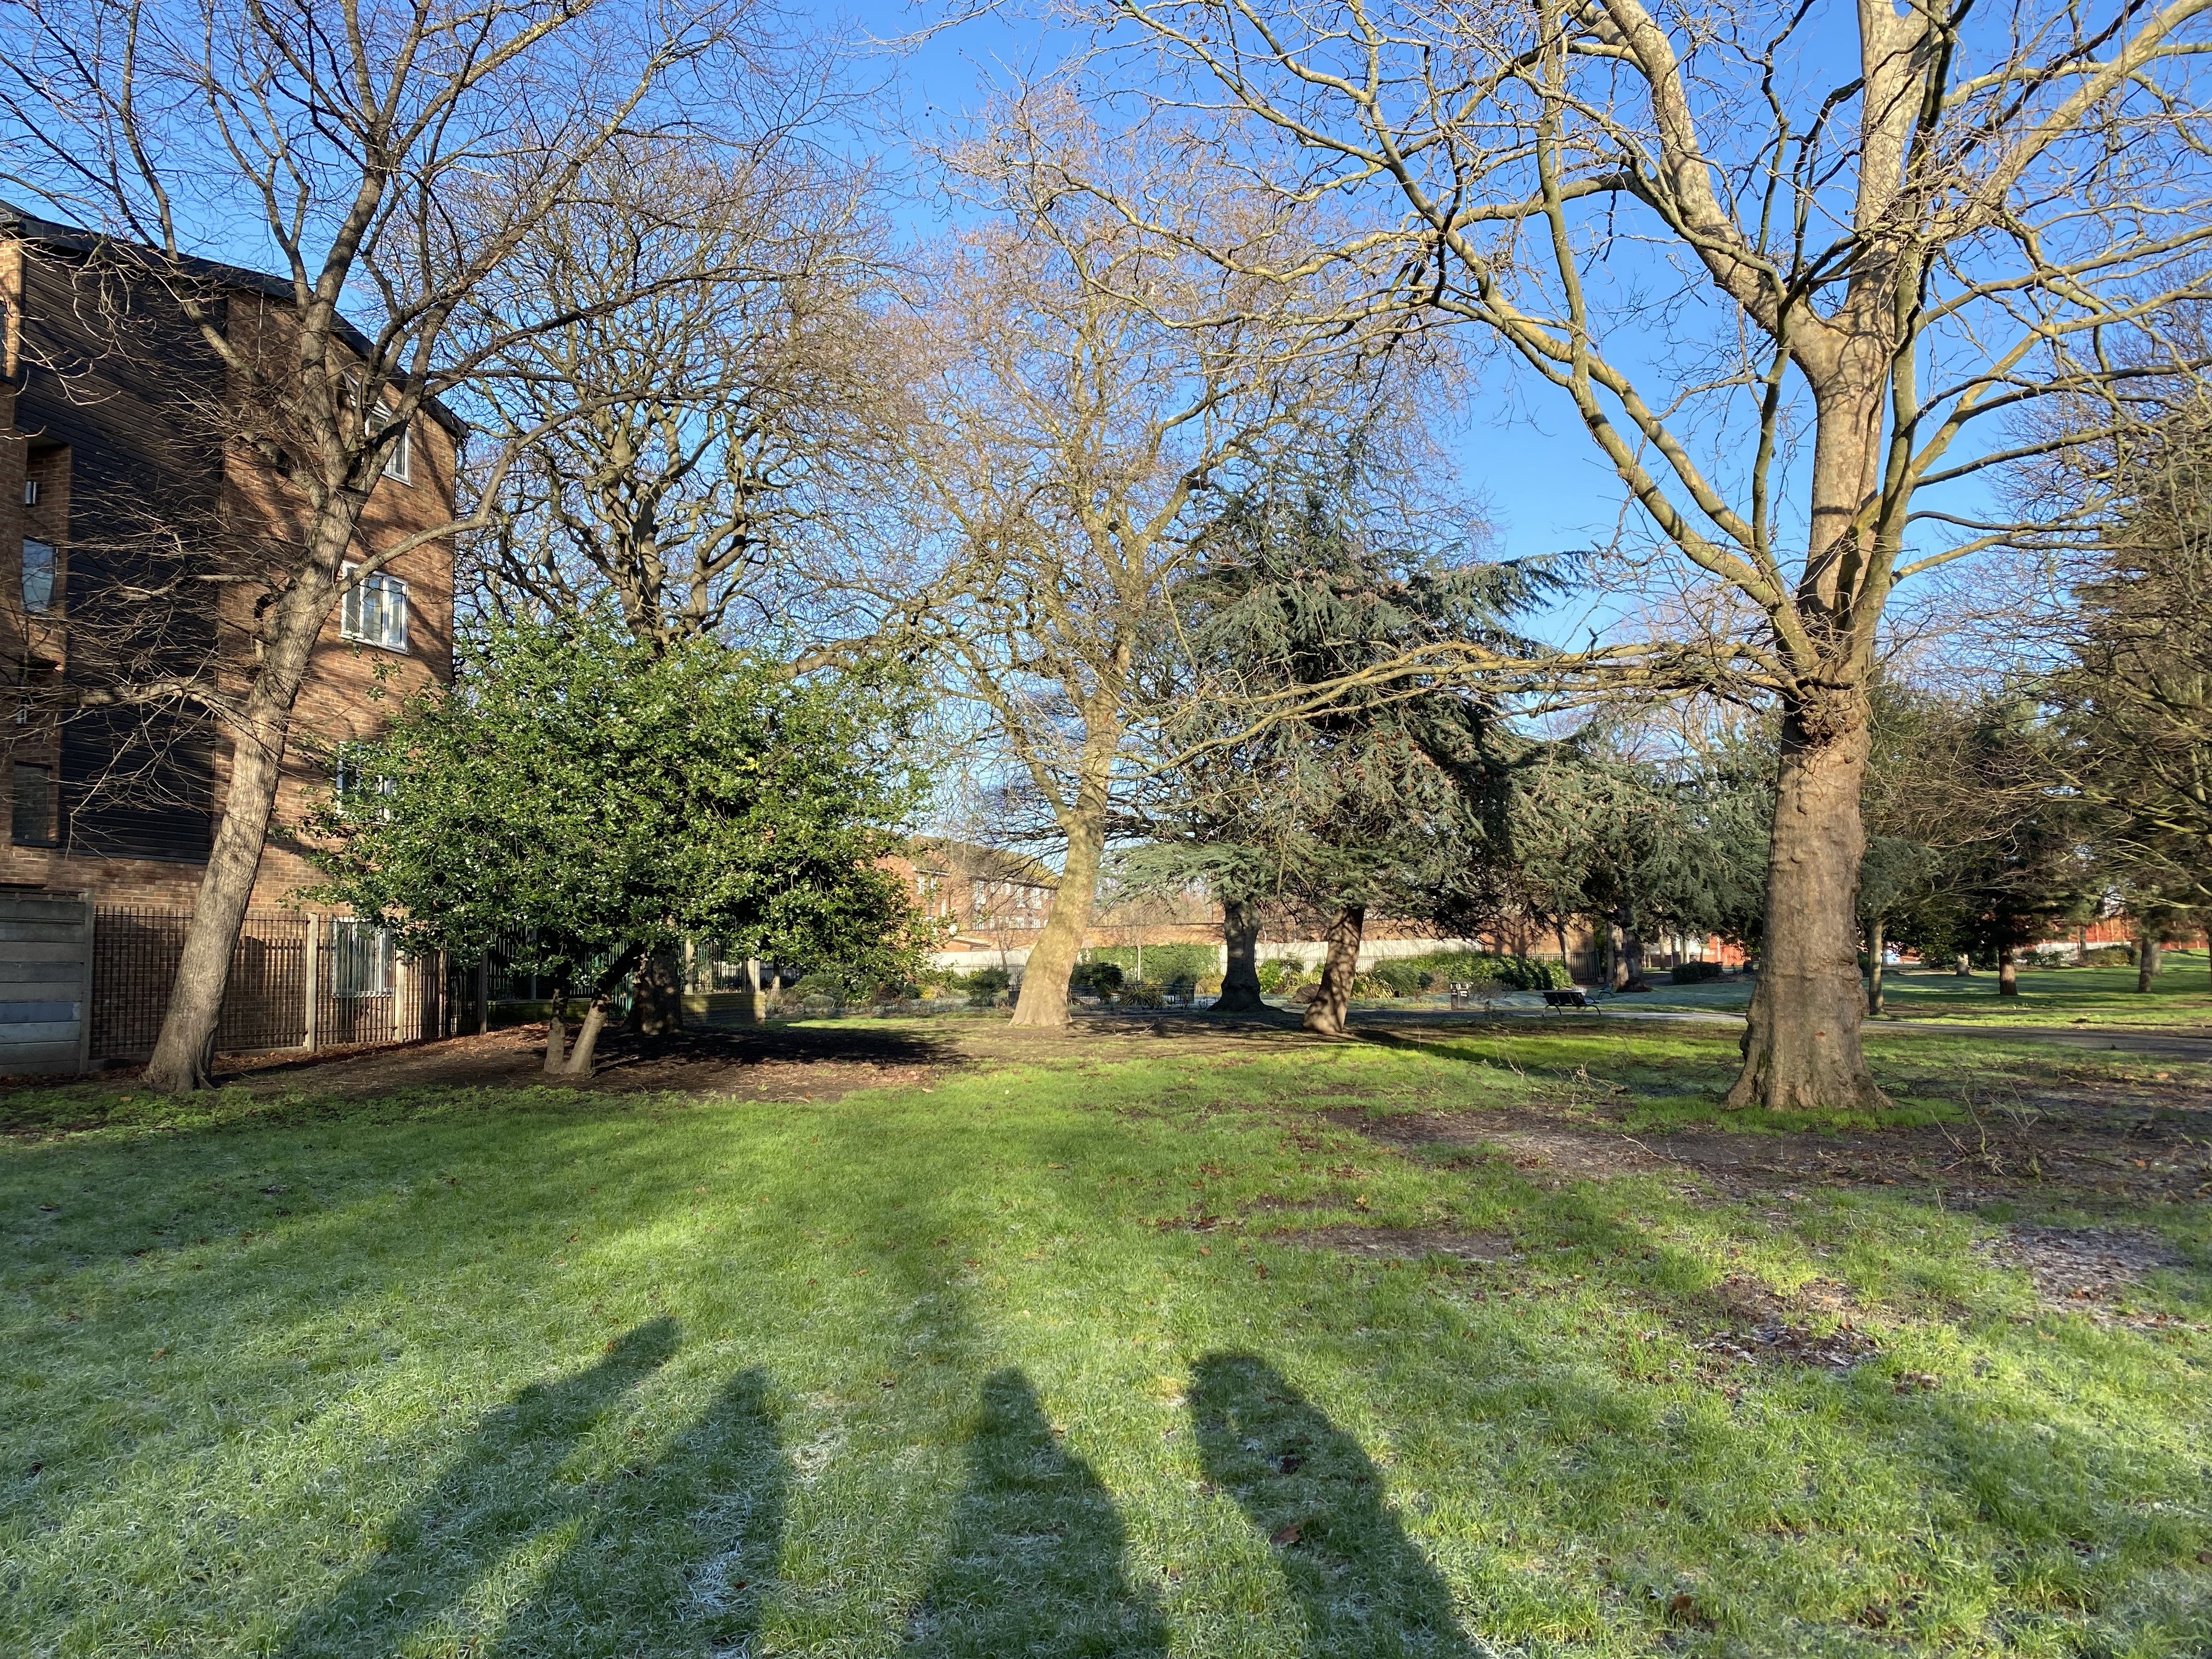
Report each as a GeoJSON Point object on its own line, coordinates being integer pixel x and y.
{"type": "Point", "coordinates": [351, 687]}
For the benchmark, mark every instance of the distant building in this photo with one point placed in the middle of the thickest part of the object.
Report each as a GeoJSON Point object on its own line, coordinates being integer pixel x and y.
{"type": "Point", "coordinates": [994, 903]}
{"type": "Point", "coordinates": [116, 492]}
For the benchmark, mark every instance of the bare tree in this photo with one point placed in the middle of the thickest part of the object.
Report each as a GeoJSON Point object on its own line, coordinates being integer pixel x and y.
{"type": "Point", "coordinates": [394, 161]}
{"type": "Point", "coordinates": [1083, 387]}
{"type": "Point", "coordinates": [693, 339]}
{"type": "Point", "coordinates": [1782, 302]}
{"type": "Point", "coordinates": [714, 317]}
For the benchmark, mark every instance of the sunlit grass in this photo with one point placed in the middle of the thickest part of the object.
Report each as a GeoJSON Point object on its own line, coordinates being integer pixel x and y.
{"type": "Point", "coordinates": [2180, 995]}
{"type": "Point", "coordinates": [1032, 1362]}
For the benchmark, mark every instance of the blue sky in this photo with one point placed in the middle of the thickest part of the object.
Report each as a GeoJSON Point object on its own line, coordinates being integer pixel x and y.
{"type": "Point", "coordinates": [1525, 457]}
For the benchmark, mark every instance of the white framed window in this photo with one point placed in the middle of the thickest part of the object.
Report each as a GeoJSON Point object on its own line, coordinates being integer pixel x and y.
{"type": "Point", "coordinates": [350, 781]}
{"type": "Point", "coordinates": [38, 576]}
{"type": "Point", "coordinates": [374, 610]}
{"type": "Point", "coordinates": [399, 459]}
{"type": "Point", "coordinates": [361, 959]}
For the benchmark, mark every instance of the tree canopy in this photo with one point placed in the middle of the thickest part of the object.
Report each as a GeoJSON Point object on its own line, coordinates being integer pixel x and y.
{"type": "Point", "coordinates": [587, 797]}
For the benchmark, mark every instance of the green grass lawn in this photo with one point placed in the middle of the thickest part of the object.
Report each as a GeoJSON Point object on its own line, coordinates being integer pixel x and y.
{"type": "Point", "coordinates": [1031, 1360]}
{"type": "Point", "coordinates": [2180, 996]}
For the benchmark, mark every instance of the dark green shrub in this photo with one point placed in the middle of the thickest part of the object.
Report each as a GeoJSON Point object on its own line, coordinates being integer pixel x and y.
{"type": "Point", "coordinates": [1098, 979]}
{"type": "Point", "coordinates": [1405, 976]}
{"type": "Point", "coordinates": [1695, 973]}
{"type": "Point", "coordinates": [1162, 962]}
{"type": "Point", "coordinates": [1448, 968]}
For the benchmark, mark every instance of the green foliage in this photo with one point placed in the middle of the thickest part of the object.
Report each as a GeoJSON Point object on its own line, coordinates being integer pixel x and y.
{"type": "Point", "coordinates": [1405, 977]}
{"type": "Point", "coordinates": [1695, 973]}
{"type": "Point", "coordinates": [1179, 964]}
{"type": "Point", "coordinates": [1597, 831]}
{"type": "Point", "coordinates": [2028, 872]}
{"type": "Point", "coordinates": [606, 799]}
{"type": "Point", "coordinates": [1140, 993]}
{"type": "Point", "coordinates": [983, 987]}
{"type": "Point", "coordinates": [1095, 978]}
{"type": "Point", "coordinates": [1281, 973]}
{"type": "Point", "coordinates": [1444, 968]}
{"type": "Point", "coordinates": [1379, 795]}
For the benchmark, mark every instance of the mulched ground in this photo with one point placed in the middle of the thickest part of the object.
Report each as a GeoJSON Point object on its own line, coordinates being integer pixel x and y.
{"type": "Point", "coordinates": [760, 1062]}
{"type": "Point", "coordinates": [771, 1063]}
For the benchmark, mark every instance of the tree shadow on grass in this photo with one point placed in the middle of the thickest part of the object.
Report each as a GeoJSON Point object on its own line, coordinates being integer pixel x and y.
{"type": "Point", "coordinates": [1364, 1587]}
{"type": "Point", "coordinates": [648, 1560]}
{"type": "Point", "coordinates": [1033, 1564]}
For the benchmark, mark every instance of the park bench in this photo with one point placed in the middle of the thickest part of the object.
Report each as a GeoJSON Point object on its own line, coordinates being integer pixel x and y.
{"type": "Point", "coordinates": [1571, 998]}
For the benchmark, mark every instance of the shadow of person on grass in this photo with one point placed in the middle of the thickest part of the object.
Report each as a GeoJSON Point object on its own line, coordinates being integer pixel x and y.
{"type": "Point", "coordinates": [1364, 1587]}
{"type": "Point", "coordinates": [503, 1489]}
{"type": "Point", "coordinates": [1034, 1562]}
{"type": "Point", "coordinates": [676, 1555]}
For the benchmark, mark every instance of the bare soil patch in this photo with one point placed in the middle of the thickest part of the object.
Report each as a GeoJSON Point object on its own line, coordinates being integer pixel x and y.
{"type": "Point", "coordinates": [2085, 1269]}
{"type": "Point", "coordinates": [2078, 1145]}
{"type": "Point", "coordinates": [765, 1062]}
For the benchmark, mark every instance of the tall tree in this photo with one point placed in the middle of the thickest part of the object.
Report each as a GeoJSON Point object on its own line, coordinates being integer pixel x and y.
{"type": "Point", "coordinates": [1084, 389]}
{"type": "Point", "coordinates": [1778, 278]}
{"type": "Point", "coordinates": [694, 344]}
{"type": "Point", "coordinates": [1641, 846]}
{"type": "Point", "coordinates": [389, 164]}
{"type": "Point", "coordinates": [692, 341]}
{"type": "Point", "coordinates": [1373, 796]}
{"type": "Point", "coordinates": [2133, 699]}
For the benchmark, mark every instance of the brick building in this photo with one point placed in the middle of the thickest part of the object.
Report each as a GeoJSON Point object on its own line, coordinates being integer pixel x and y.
{"type": "Point", "coordinates": [128, 538]}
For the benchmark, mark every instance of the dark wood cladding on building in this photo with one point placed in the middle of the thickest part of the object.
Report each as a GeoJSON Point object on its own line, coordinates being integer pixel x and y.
{"type": "Point", "coordinates": [113, 374]}
{"type": "Point", "coordinates": [164, 539]}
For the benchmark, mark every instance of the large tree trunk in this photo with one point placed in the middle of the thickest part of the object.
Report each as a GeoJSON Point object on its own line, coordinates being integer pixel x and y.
{"type": "Point", "coordinates": [587, 1037]}
{"type": "Point", "coordinates": [184, 1054]}
{"type": "Point", "coordinates": [1627, 950]}
{"type": "Point", "coordinates": [1042, 1005]}
{"type": "Point", "coordinates": [1240, 975]}
{"type": "Point", "coordinates": [1801, 1046]}
{"type": "Point", "coordinates": [1044, 1001]}
{"type": "Point", "coordinates": [1332, 1002]}
{"type": "Point", "coordinates": [1875, 946]}
{"type": "Point", "coordinates": [2008, 972]}
{"type": "Point", "coordinates": [657, 1004]}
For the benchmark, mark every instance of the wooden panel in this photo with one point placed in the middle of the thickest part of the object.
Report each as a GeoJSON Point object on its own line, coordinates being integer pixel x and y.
{"type": "Point", "coordinates": [19, 1057]}
{"type": "Point", "coordinates": [15, 1034]}
{"type": "Point", "coordinates": [49, 989]}
{"type": "Point", "coordinates": [42, 956]}
{"type": "Point", "coordinates": [15, 970]}
{"type": "Point", "coordinates": [71, 910]}
{"type": "Point", "coordinates": [42, 932]}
